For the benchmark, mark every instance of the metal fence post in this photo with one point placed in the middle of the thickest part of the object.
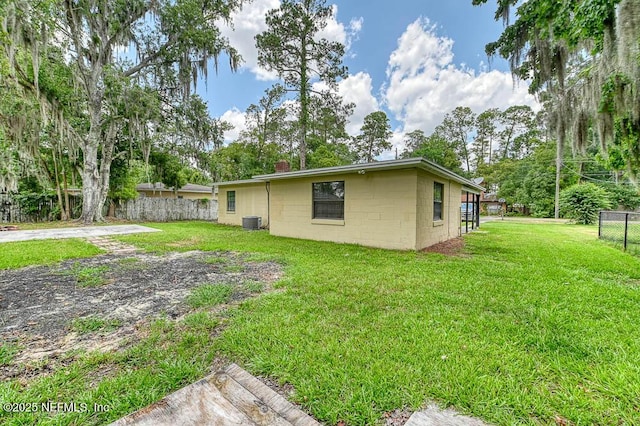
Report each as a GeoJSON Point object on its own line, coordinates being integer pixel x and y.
{"type": "Point", "coordinates": [600, 225]}
{"type": "Point", "coordinates": [626, 230]}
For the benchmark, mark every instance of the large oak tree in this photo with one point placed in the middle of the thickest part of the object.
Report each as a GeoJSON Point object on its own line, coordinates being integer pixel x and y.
{"type": "Point", "coordinates": [164, 44]}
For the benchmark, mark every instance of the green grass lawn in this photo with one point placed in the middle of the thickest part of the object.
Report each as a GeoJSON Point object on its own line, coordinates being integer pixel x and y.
{"type": "Point", "coordinates": [533, 324]}
{"type": "Point", "coordinates": [44, 252]}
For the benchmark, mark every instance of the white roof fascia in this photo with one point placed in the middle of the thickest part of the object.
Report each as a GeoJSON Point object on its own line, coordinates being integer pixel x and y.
{"type": "Point", "coordinates": [420, 163]}
{"type": "Point", "coordinates": [239, 182]}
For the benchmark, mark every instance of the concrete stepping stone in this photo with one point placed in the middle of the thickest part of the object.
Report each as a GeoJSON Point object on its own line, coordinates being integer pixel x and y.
{"type": "Point", "coordinates": [435, 416]}
{"type": "Point", "coordinates": [111, 246]}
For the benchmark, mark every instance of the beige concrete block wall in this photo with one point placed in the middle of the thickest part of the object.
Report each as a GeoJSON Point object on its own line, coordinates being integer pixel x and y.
{"type": "Point", "coordinates": [429, 232]}
{"type": "Point", "coordinates": [454, 209]}
{"type": "Point", "coordinates": [251, 200]}
{"type": "Point", "coordinates": [380, 210]}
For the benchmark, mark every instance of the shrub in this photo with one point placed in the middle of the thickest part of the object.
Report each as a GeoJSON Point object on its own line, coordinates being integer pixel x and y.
{"type": "Point", "coordinates": [623, 196]}
{"type": "Point", "coordinates": [582, 202]}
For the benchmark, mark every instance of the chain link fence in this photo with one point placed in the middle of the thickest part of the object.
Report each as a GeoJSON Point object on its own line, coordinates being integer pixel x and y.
{"type": "Point", "coordinates": [621, 228]}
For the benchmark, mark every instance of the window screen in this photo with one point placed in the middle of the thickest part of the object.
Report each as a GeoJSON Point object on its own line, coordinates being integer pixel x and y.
{"type": "Point", "coordinates": [231, 201]}
{"type": "Point", "coordinates": [328, 200]}
{"type": "Point", "coordinates": [438, 191]}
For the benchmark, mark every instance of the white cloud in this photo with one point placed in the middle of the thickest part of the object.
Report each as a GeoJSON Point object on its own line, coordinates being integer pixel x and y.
{"type": "Point", "coordinates": [358, 89]}
{"type": "Point", "coordinates": [397, 145]}
{"type": "Point", "coordinates": [250, 21]}
{"type": "Point", "coordinates": [423, 83]}
{"type": "Point", "coordinates": [237, 119]}
{"type": "Point", "coordinates": [355, 25]}
{"type": "Point", "coordinates": [246, 24]}
{"type": "Point", "coordinates": [336, 31]}
{"type": "Point", "coordinates": [355, 89]}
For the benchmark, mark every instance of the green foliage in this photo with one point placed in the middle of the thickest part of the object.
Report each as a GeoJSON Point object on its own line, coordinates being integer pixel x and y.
{"type": "Point", "coordinates": [612, 89]}
{"type": "Point", "coordinates": [434, 148]}
{"type": "Point", "coordinates": [487, 133]}
{"type": "Point", "coordinates": [242, 160]}
{"type": "Point", "coordinates": [623, 196]}
{"type": "Point", "coordinates": [582, 57]}
{"type": "Point", "coordinates": [168, 169]}
{"type": "Point", "coordinates": [107, 104]}
{"type": "Point", "coordinates": [330, 155]}
{"type": "Point", "coordinates": [38, 205]}
{"type": "Point", "coordinates": [530, 182]}
{"type": "Point", "coordinates": [456, 128]}
{"type": "Point", "coordinates": [195, 176]}
{"type": "Point", "coordinates": [210, 295]}
{"type": "Point", "coordinates": [583, 202]}
{"type": "Point", "coordinates": [518, 135]}
{"type": "Point", "coordinates": [125, 176]}
{"type": "Point", "coordinates": [375, 135]}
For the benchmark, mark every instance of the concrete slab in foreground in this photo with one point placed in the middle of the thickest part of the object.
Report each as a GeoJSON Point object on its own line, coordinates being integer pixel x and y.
{"type": "Point", "coordinates": [79, 232]}
{"type": "Point", "coordinates": [435, 416]}
{"type": "Point", "coordinates": [229, 397]}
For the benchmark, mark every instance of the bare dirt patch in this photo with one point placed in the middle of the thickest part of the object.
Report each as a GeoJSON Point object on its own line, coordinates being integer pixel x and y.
{"type": "Point", "coordinates": [452, 247]}
{"type": "Point", "coordinates": [38, 305]}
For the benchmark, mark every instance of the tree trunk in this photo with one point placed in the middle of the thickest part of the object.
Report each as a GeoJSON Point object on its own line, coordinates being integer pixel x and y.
{"type": "Point", "coordinates": [304, 101]}
{"type": "Point", "coordinates": [93, 192]}
{"type": "Point", "coordinates": [303, 126]}
{"type": "Point", "coordinates": [112, 209]}
{"type": "Point", "coordinates": [559, 152]}
{"type": "Point", "coordinates": [91, 210]}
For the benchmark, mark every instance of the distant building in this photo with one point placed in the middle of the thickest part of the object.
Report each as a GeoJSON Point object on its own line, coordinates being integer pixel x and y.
{"type": "Point", "coordinates": [190, 191]}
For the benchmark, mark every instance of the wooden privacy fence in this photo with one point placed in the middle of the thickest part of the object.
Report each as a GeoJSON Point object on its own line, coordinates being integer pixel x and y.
{"type": "Point", "coordinates": [37, 208]}
{"type": "Point", "coordinates": [166, 209]}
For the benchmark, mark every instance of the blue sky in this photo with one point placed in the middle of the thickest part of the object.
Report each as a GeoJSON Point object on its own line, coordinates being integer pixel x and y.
{"type": "Point", "coordinates": [415, 60]}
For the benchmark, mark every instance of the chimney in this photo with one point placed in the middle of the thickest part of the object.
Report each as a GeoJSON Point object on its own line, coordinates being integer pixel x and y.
{"type": "Point", "coordinates": [282, 166]}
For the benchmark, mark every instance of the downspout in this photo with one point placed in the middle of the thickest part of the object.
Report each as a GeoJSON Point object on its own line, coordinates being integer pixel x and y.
{"type": "Point", "coordinates": [267, 187]}
{"type": "Point", "coordinates": [466, 215]}
{"type": "Point", "coordinates": [477, 208]}
{"type": "Point", "coordinates": [449, 203]}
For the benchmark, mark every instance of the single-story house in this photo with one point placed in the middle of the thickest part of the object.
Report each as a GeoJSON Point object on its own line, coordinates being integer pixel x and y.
{"type": "Point", "coordinates": [406, 204]}
{"type": "Point", "coordinates": [189, 191]}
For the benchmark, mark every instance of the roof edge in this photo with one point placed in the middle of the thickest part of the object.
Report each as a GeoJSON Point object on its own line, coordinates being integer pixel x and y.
{"type": "Point", "coordinates": [240, 182]}
{"type": "Point", "coordinates": [417, 162]}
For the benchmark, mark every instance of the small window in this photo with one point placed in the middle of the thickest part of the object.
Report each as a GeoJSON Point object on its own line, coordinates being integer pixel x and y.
{"type": "Point", "coordinates": [231, 201]}
{"type": "Point", "coordinates": [328, 200]}
{"type": "Point", "coordinates": [438, 192]}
